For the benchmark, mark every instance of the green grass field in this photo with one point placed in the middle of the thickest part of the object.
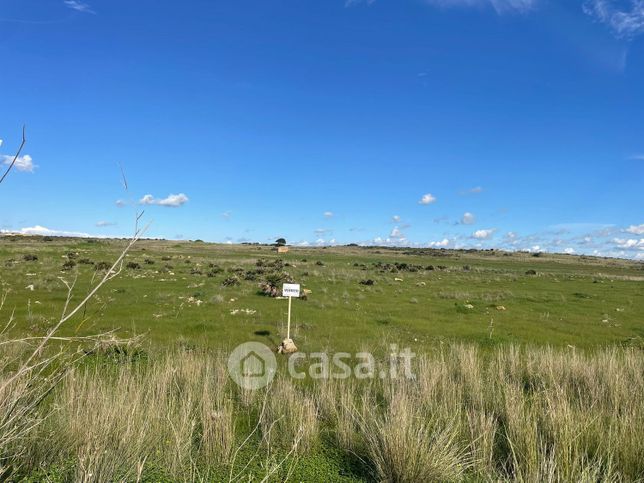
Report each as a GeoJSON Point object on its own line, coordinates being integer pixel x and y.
{"type": "Point", "coordinates": [579, 301]}
{"type": "Point", "coordinates": [529, 368]}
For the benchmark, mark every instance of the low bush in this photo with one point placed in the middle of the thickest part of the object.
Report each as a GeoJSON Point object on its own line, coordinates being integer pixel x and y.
{"type": "Point", "coordinates": [230, 281]}
{"type": "Point", "coordinates": [69, 264]}
{"type": "Point", "coordinates": [102, 266]}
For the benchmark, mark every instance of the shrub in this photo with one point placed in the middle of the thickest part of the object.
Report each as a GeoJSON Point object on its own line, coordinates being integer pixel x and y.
{"type": "Point", "coordinates": [230, 281]}
{"type": "Point", "coordinates": [30, 257]}
{"type": "Point", "coordinates": [102, 266]}
{"type": "Point", "coordinates": [148, 261]}
{"type": "Point", "coordinates": [250, 275]}
{"type": "Point", "coordinates": [367, 282]}
{"type": "Point", "coordinates": [69, 264]}
{"type": "Point", "coordinates": [531, 272]}
{"type": "Point", "coordinates": [85, 261]}
{"type": "Point", "coordinates": [133, 265]}
{"type": "Point", "coordinates": [214, 271]}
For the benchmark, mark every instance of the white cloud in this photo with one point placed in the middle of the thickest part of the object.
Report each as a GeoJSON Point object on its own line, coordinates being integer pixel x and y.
{"type": "Point", "coordinates": [396, 233]}
{"type": "Point", "coordinates": [171, 201]}
{"type": "Point", "coordinates": [569, 251]}
{"type": "Point", "coordinates": [23, 163]}
{"type": "Point", "coordinates": [439, 244]}
{"type": "Point", "coordinates": [624, 22]}
{"type": "Point", "coordinates": [395, 218]}
{"type": "Point", "coordinates": [121, 203]}
{"type": "Point", "coordinates": [1, 141]}
{"type": "Point", "coordinates": [328, 214]}
{"type": "Point", "coordinates": [321, 232]}
{"type": "Point", "coordinates": [483, 234]}
{"type": "Point", "coordinates": [468, 218]}
{"type": "Point", "coordinates": [500, 6]}
{"type": "Point", "coordinates": [427, 199]}
{"type": "Point", "coordinates": [102, 224]}
{"type": "Point", "coordinates": [635, 157]}
{"type": "Point", "coordinates": [79, 6]}
{"type": "Point", "coordinates": [41, 230]}
{"type": "Point", "coordinates": [635, 229]}
{"type": "Point", "coordinates": [472, 191]}
{"type": "Point", "coordinates": [226, 215]}
{"type": "Point", "coordinates": [629, 244]}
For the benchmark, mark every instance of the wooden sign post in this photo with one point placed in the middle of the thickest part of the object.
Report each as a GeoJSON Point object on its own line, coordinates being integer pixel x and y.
{"type": "Point", "coordinates": [289, 290]}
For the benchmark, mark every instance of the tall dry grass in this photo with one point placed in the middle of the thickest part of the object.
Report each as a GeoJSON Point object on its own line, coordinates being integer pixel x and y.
{"type": "Point", "coordinates": [514, 414]}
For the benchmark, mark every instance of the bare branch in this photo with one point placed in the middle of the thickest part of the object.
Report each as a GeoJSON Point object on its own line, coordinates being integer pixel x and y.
{"type": "Point", "coordinates": [15, 158]}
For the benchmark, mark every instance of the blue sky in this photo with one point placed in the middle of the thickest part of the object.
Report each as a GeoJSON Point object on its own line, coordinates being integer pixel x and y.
{"type": "Point", "coordinates": [516, 124]}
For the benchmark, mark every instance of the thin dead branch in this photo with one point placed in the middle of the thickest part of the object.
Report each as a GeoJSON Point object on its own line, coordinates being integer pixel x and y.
{"type": "Point", "coordinates": [15, 158]}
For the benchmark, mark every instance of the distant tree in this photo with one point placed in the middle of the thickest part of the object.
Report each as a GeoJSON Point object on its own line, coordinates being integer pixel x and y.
{"type": "Point", "coordinates": [280, 242]}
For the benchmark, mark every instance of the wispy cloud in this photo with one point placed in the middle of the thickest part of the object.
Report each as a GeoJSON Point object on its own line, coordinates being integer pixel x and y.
{"type": "Point", "coordinates": [353, 3]}
{"type": "Point", "coordinates": [41, 230]}
{"type": "Point", "coordinates": [328, 214]}
{"type": "Point", "coordinates": [102, 224]}
{"type": "Point", "coordinates": [23, 163]}
{"type": "Point", "coordinates": [322, 232]}
{"type": "Point", "coordinates": [468, 218]}
{"type": "Point", "coordinates": [472, 191]}
{"type": "Point", "coordinates": [172, 201]}
{"type": "Point", "coordinates": [227, 215]}
{"type": "Point", "coordinates": [79, 6]}
{"type": "Point", "coordinates": [395, 218]}
{"type": "Point", "coordinates": [636, 157]}
{"type": "Point", "coordinates": [500, 6]}
{"type": "Point", "coordinates": [624, 21]}
{"type": "Point", "coordinates": [629, 243]}
{"type": "Point", "coordinates": [635, 229]}
{"type": "Point", "coordinates": [427, 199]}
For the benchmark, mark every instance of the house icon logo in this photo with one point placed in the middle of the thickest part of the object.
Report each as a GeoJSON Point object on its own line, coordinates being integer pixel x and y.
{"type": "Point", "coordinates": [252, 365]}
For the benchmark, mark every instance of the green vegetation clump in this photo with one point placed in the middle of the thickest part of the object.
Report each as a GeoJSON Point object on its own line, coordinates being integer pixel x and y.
{"type": "Point", "coordinates": [230, 281]}
{"type": "Point", "coordinates": [68, 265]}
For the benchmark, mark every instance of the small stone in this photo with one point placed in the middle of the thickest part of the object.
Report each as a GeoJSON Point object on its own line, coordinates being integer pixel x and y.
{"type": "Point", "coordinates": [287, 347]}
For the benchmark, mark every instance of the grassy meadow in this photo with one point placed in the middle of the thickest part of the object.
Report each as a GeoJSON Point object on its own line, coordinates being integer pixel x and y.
{"type": "Point", "coordinates": [529, 368]}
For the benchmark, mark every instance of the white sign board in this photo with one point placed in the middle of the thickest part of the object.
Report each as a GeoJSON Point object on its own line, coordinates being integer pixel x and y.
{"type": "Point", "coordinates": [291, 290]}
